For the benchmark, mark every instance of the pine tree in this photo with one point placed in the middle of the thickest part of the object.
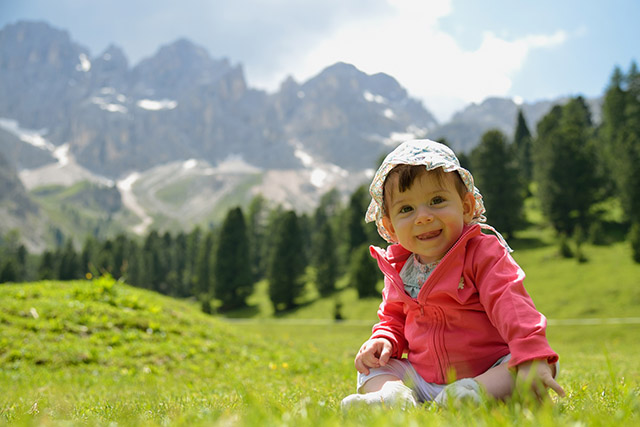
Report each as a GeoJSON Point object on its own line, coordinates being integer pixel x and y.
{"type": "Point", "coordinates": [620, 145]}
{"type": "Point", "coordinates": [88, 256]}
{"type": "Point", "coordinates": [21, 263]}
{"type": "Point", "coordinates": [69, 267]}
{"type": "Point", "coordinates": [256, 229]}
{"type": "Point", "coordinates": [613, 123]}
{"type": "Point", "coordinates": [286, 263]}
{"type": "Point", "coordinates": [165, 265]}
{"type": "Point", "coordinates": [627, 148]}
{"type": "Point", "coordinates": [203, 266]}
{"type": "Point", "coordinates": [324, 242]}
{"type": "Point", "coordinates": [104, 261]}
{"type": "Point", "coordinates": [179, 286]}
{"type": "Point", "coordinates": [9, 271]}
{"type": "Point", "coordinates": [233, 279]}
{"type": "Point", "coordinates": [355, 218]}
{"type": "Point", "coordinates": [190, 271]}
{"type": "Point", "coordinates": [119, 257]}
{"type": "Point", "coordinates": [153, 261]}
{"type": "Point", "coordinates": [497, 175]}
{"type": "Point", "coordinates": [522, 143]}
{"type": "Point", "coordinates": [613, 107]}
{"type": "Point", "coordinates": [326, 261]}
{"type": "Point", "coordinates": [48, 266]}
{"type": "Point", "coordinates": [565, 166]}
{"type": "Point", "coordinates": [135, 265]}
{"type": "Point", "coordinates": [305, 225]}
{"type": "Point", "coordinates": [633, 80]}
{"type": "Point", "coordinates": [363, 272]}
{"type": "Point", "coordinates": [12, 257]}
{"type": "Point", "coordinates": [629, 167]}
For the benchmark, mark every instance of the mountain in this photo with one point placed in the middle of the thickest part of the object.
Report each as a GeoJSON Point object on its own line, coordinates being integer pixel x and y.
{"type": "Point", "coordinates": [347, 117]}
{"type": "Point", "coordinates": [180, 137]}
{"type": "Point", "coordinates": [181, 104]}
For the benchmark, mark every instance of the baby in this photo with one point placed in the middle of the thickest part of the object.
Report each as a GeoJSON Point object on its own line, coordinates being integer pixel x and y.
{"type": "Point", "coordinates": [453, 300]}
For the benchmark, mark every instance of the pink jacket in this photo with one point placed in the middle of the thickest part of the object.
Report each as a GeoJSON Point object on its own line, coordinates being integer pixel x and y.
{"type": "Point", "coordinates": [472, 310]}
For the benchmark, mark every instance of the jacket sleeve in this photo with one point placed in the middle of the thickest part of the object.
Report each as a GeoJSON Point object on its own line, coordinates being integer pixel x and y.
{"type": "Point", "coordinates": [391, 324]}
{"type": "Point", "coordinates": [499, 280]}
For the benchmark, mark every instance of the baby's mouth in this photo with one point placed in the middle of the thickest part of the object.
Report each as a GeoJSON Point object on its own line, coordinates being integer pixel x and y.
{"type": "Point", "coordinates": [429, 235]}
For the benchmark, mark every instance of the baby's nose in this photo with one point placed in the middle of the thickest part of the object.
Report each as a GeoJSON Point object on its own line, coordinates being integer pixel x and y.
{"type": "Point", "coordinates": [424, 215]}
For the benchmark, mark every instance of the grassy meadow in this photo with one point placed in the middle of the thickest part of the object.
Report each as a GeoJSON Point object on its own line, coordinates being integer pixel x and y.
{"type": "Point", "coordinates": [103, 353]}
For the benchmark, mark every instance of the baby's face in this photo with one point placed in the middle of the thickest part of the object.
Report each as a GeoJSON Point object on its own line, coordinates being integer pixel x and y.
{"type": "Point", "coordinates": [428, 218]}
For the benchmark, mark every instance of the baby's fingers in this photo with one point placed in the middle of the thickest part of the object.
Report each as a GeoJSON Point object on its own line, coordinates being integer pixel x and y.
{"type": "Point", "coordinates": [385, 355]}
{"type": "Point", "coordinates": [361, 367]}
{"type": "Point", "coordinates": [553, 385]}
{"type": "Point", "coordinates": [366, 360]}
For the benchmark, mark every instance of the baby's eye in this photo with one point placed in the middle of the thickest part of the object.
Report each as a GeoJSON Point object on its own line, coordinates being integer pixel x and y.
{"type": "Point", "coordinates": [437, 200]}
{"type": "Point", "coordinates": [405, 209]}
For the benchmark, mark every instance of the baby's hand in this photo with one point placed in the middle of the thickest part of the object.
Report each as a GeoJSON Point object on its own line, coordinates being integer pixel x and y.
{"type": "Point", "coordinates": [373, 354]}
{"type": "Point", "coordinates": [539, 374]}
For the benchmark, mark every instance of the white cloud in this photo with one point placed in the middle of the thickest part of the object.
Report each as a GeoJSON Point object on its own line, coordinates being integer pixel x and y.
{"type": "Point", "coordinates": [409, 45]}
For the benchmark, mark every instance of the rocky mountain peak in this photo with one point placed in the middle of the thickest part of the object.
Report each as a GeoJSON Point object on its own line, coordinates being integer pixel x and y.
{"type": "Point", "coordinates": [110, 69]}
{"type": "Point", "coordinates": [176, 67]}
{"type": "Point", "coordinates": [113, 55]}
{"type": "Point", "coordinates": [26, 44]}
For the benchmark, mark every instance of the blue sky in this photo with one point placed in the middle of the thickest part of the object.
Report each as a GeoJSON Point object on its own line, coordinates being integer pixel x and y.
{"type": "Point", "coordinates": [445, 52]}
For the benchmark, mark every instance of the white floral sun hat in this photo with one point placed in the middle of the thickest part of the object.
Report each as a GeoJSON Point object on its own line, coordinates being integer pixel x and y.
{"type": "Point", "coordinates": [432, 155]}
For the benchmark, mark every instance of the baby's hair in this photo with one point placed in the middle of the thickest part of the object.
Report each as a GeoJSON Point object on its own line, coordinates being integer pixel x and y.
{"type": "Point", "coordinates": [407, 174]}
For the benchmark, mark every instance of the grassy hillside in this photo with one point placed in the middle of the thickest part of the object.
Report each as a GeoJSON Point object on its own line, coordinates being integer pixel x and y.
{"type": "Point", "coordinates": [102, 351]}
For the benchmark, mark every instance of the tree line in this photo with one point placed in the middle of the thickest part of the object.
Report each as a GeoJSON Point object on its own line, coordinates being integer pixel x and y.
{"type": "Point", "coordinates": [576, 171]}
{"type": "Point", "coordinates": [220, 266]}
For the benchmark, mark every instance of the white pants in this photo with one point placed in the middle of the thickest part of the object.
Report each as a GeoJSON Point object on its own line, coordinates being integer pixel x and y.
{"type": "Point", "coordinates": [403, 369]}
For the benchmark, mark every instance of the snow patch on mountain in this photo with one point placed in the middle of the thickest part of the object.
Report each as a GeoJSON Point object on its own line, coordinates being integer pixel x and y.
{"type": "Point", "coordinates": [157, 105]}
{"type": "Point", "coordinates": [109, 106]}
{"type": "Point", "coordinates": [84, 63]}
{"type": "Point", "coordinates": [65, 172]}
{"type": "Point", "coordinates": [33, 137]}
{"type": "Point", "coordinates": [379, 99]}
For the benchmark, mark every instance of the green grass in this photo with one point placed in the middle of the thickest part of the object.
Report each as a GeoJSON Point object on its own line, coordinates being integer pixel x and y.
{"type": "Point", "coordinates": [104, 353]}
{"type": "Point", "coordinates": [83, 209]}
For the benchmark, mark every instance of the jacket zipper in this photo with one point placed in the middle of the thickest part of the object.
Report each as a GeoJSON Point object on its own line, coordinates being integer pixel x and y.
{"type": "Point", "coordinates": [441, 352]}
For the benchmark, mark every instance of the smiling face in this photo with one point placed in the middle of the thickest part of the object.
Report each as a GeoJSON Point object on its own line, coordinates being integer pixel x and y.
{"type": "Point", "coordinates": [427, 218]}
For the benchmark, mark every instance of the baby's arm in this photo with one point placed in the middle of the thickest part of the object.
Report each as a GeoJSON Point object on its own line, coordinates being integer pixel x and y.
{"type": "Point", "coordinates": [373, 354]}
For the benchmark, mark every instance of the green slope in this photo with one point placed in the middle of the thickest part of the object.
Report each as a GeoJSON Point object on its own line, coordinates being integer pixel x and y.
{"type": "Point", "coordinates": [77, 350]}
{"type": "Point", "coordinates": [107, 324]}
